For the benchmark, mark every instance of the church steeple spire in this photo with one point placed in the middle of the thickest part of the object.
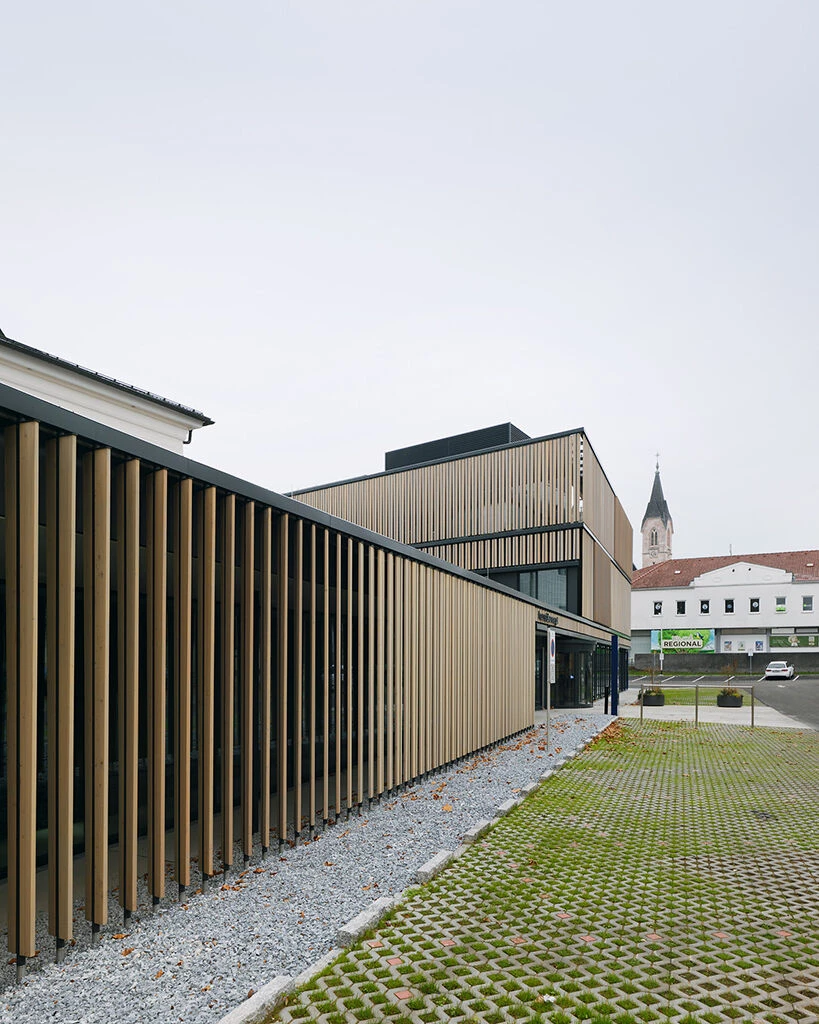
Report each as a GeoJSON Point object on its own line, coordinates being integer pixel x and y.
{"type": "Point", "coordinates": [657, 526]}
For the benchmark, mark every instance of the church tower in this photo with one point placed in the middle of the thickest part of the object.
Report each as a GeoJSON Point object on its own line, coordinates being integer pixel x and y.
{"type": "Point", "coordinates": [657, 527]}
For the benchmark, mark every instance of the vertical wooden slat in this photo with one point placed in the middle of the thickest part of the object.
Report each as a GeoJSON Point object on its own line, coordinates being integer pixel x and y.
{"type": "Point", "coordinates": [183, 605]}
{"type": "Point", "coordinates": [325, 650]}
{"type": "Point", "coordinates": [156, 608]}
{"type": "Point", "coordinates": [206, 655]}
{"type": "Point", "coordinates": [360, 665]}
{"type": "Point", "coordinates": [298, 676]}
{"type": "Point", "coordinates": [22, 517]}
{"type": "Point", "coordinates": [339, 667]}
{"type": "Point", "coordinates": [61, 527]}
{"type": "Point", "coordinates": [97, 598]}
{"type": "Point", "coordinates": [248, 591]}
{"type": "Point", "coordinates": [413, 727]}
{"type": "Point", "coordinates": [351, 665]}
{"type": "Point", "coordinates": [228, 671]}
{"type": "Point", "coordinates": [265, 674]}
{"type": "Point", "coordinates": [372, 612]}
{"type": "Point", "coordinates": [398, 719]}
{"type": "Point", "coordinates": [389, 654]}
{"type": "Point", "coordinates": [281, 682]}
{"type": "Point", "coordinates": [311, 813]}
{"type": "Point", "coordinates": [380, 681]}
{"type": "Point", "coordinates": [128, 683]}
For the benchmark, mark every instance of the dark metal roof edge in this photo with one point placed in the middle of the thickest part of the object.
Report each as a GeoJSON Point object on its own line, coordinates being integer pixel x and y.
{"type": "Point", "coordinates": [436, 462]}
{"type": "Point", "coordinates": [28, 407]}
{"type": "Point", "coordinates": [120, 385]}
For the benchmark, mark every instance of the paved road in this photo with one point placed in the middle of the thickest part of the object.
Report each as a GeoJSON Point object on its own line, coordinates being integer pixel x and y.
{"type": "Point", "coordinates": [798, 697]}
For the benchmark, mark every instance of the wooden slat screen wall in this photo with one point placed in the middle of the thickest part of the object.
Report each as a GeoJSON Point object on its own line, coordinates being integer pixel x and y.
{"type": "Point", "coordinates": [523, 549]}
{"type": "Point", "coordinates": [325, 670]}
{"type": "Point", "coordinates": [516, 488]}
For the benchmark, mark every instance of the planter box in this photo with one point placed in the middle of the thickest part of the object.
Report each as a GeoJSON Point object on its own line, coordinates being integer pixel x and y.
{"type": "Point", "coordinates": [729, 702]}
{"type": "Point", "coordinates": [653, 700]}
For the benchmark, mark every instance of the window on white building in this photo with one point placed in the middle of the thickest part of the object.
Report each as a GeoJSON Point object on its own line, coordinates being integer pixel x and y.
{"type": "Point", "coordinates": [658, 607]}
{"type": "Point", "coordinates": [681, 607]}
{"type": "Point", "coordinates": [754, 603]}
{"type": "Point", "coordinates": [807, 604]}
{"type": "Point", "coordinates": [781, 604]}
{"type": "Point", "coordinates": [729, 606]}
{"type": "Point", "coordinates": [705, 607]}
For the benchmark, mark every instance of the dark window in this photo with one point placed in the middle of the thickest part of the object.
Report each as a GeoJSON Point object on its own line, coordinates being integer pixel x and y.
{"type": "Point", "coordinates": [807, 604]}
{"type": "Point", "coordinates": [754, 604]}
{"type": "Point", "coordinates": [705, 607]}
{"type": "Point", "coordinates": [658, 607]}
{"type": "Point", "coordinates": [681, 607]}
{"type": "Point", "coordinates": [729, 605]}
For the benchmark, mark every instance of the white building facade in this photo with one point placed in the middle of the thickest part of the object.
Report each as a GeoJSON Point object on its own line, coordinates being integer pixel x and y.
{"type": "Point", "coordinates": [751, 604]}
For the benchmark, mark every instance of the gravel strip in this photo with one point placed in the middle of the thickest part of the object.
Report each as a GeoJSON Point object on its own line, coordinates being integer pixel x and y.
{"type": "Point", "coordinates": [196, 961]}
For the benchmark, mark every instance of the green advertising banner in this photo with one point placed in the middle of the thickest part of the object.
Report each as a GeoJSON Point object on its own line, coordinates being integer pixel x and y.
{"type": "Point", "coordinates": [796, 640]}
{"type": "Point", "coordinates": [684, 641]}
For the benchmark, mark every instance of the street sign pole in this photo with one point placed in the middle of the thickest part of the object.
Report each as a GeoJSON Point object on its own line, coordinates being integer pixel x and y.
{"type": "Point", "coordinates": [550, 683]}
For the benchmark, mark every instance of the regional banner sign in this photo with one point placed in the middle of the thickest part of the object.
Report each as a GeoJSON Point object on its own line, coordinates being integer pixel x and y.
{"type": "Point", "coordinates": [684, 641]}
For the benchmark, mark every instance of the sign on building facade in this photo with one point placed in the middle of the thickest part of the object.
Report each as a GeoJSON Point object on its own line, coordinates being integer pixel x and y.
{"type": "Point", "coordinates": [684, 641]}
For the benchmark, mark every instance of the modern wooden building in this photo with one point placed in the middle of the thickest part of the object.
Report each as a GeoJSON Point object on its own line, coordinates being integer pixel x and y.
{"type": "Point", "coordinates": [196, 668]}
{"type": "Point", "coordinates": [536, 514]}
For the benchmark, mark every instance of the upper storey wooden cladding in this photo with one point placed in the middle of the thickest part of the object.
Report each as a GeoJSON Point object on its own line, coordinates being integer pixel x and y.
{"type": "Point", "coordinates": [547, 483]}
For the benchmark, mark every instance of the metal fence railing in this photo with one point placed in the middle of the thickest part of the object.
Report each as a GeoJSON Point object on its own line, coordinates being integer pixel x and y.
{"type": "Point", "coordinates": [697, 695]}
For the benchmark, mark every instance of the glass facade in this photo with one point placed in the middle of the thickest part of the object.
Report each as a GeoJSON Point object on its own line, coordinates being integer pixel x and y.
{"type": "Point", "coordinates": [582, 672]}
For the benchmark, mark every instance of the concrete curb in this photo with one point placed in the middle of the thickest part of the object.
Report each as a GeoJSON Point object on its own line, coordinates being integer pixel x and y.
{"type": "Point", "coordinates": [506, 807]}
{"type": "Point", "coordinates": [477, 830]}
{"type": "Point", "coordinates": [316, 968]}
{"type": "Point", "coordinates": [354, 929]}
{"type": "Point", "coordinates": [433, 866]}
{"type": "Point", "coordinates": [262, 1003]}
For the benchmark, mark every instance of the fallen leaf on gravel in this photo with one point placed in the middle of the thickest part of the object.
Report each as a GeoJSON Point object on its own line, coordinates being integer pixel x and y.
{"type": "Point", "coordinates": [120, 935]}
{"type": "Point", "coordinates": [159, 974]}
{"type": "Point", "coordinates": [250, 992]}
{"type": "Point", "coordinates": [127, 950]}
{"type": "Point", "coordinates": [447, 807]}
{"type": "Point", "coordinates": [328, 863]}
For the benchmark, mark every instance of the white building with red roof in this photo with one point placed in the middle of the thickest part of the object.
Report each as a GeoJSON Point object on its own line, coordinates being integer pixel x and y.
{"type": "Point", "coordinates": [730, 604]}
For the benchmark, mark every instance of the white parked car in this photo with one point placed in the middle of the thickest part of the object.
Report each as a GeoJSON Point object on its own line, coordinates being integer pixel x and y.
{"type": "Point", "coordinates": [779, 670]}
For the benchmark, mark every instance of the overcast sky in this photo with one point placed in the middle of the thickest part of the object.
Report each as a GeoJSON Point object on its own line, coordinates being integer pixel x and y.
{"type": "Point", "coordinates": [341, 228]}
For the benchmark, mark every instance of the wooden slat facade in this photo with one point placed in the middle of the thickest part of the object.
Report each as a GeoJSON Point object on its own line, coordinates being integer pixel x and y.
{"type": "Point", "coordinates": [545, 502]}
{"type": "Point", "coordinates": [324, 670]}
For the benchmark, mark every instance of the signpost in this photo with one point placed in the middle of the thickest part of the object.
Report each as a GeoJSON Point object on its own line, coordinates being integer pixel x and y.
{"type": "Point", "coordinates": [550, 681]}
{"type": "Point", "coordinates": [615, 664]}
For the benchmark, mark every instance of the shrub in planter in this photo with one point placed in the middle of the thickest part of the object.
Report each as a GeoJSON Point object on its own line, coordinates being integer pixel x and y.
{"type": "Point", "coordinates": [653, 697]}
{"type": "Point", "coordinates": [729, 697]}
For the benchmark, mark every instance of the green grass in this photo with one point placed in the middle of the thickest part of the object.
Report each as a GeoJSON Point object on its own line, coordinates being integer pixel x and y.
{"type": "Point", "coordinates": [705, 838]}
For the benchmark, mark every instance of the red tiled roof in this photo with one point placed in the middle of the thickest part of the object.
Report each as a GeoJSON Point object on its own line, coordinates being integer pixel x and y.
{"type": "Point", "coordinates": [679, 572]}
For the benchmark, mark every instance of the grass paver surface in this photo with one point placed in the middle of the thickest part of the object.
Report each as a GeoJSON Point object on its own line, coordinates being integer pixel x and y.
{"type": "Point", "coordinates": [666, 874]}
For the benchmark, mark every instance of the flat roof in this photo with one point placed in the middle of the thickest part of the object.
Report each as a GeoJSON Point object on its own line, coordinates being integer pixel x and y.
{"type": "Point", "coordinates": [101, 378]}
